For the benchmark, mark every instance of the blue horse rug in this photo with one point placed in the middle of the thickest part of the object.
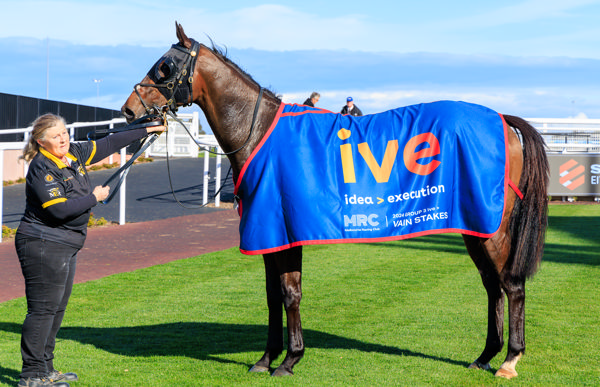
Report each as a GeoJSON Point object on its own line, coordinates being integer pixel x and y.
{"type": "Point", "coordinates": [322, 177]}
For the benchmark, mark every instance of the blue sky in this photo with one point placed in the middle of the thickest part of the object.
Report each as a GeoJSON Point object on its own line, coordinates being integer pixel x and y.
{"type": "Point", "coordinates": [534, 58]}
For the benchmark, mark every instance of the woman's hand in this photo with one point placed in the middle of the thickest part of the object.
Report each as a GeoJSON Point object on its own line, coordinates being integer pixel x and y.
{"type": "Point", "coordinates": [101, 192]}
{"type": "Point", "coordinates": [152, 129]}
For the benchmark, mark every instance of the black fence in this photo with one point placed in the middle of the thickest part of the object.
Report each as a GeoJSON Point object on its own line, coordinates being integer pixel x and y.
{"type": "Point", "coordinates": [19, 112]}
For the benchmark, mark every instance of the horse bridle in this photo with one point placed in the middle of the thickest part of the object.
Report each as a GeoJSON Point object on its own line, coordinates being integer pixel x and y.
{"type": "Point", "coordinates": [168, 76]}
{"type": "Point", "coordinates": [167, 79]}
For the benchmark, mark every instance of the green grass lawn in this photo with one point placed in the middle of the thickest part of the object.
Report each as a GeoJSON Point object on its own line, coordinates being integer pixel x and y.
{"type": "Point", "coordinates": [410, 313]}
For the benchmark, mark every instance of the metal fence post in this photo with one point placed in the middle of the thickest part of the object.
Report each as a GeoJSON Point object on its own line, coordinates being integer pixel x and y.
{"type": "Point", "coordinates": [206, 177]}
{"type": "Point", "coordinates": [218, 181]}
{"type": "Point", "coordinates": [122, 193]}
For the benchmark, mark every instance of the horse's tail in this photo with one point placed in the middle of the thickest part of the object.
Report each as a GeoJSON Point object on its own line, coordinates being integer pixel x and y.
{"type": "Point", "coordinates": [529, 217]}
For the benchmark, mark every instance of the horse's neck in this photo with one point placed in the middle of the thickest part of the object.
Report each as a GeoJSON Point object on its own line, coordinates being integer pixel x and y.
{"type": "Point", "coordinates": [230, 114]}
{"type": "Point", "coordinates": [253, 132]}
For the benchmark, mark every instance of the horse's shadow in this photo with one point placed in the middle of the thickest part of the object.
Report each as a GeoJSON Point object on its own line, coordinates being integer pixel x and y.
{"type": "Point", "coordinates": [204, 341]}
{"type": "Point", "coordinates": [443, 243]}
{"type": "Point", "coordinates": [585, 228]}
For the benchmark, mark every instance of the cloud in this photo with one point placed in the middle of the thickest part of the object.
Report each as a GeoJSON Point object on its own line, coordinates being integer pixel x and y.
{"type": "Point", "coordinates": [276, 27]}
{"type": "Point", "coordinates": [525, 102]}
{"type": "Point", "coordinates": [534, 27]}
{"type": "Point", "coordinates": [539, 86]}
{"type": "Point", "coordinates": [524, 86]}
{"type": "Point", "coordinates": [90, 23]}
{"type": "Point", "coordinates": [267, 26]}
{"type": "Point", "coordinates": [522, 12]}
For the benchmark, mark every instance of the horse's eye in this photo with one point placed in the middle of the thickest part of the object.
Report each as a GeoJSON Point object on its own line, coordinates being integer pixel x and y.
{"type": "Point", "coordinates": [164, 70]}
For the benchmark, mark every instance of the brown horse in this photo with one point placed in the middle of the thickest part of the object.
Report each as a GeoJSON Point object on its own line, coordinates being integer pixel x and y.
{"type": "Point", "coordinates": [240, 112]}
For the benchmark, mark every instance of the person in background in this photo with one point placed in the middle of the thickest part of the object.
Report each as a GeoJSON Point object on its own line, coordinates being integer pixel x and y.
{"type": "Point", "coordinates": [351, 108]}
{"type": "Point", "coordinates": [313, 99]}
{"type": "Point", "coordinates": [53, 229]}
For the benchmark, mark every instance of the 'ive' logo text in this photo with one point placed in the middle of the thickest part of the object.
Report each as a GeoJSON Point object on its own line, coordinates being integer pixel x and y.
{"type": "Point", "coordinates": [382, 172]}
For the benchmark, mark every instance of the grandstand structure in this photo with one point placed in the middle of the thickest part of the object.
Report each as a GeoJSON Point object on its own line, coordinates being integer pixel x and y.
{"type": "Point", "coordinates": [569, 135]}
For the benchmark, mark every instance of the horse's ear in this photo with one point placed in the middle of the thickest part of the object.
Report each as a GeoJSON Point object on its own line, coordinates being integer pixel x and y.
{"type": "Point", "coordinates": [183, 39]}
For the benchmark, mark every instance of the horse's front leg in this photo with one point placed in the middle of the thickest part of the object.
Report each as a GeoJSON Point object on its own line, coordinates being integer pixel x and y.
{"type": "Point", "coordinates": [290, 275]}
{"type": "Point", "coordinates": [274, 303]}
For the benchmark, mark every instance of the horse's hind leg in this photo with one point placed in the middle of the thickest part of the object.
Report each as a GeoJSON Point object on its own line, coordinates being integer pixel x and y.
{"type": "Point", "coordinates": [290, 276]}
{"type": "Point", "coordinates": [515, 292]}
{"type": "Point", "coordinates": [491, 282]}
{"type": "Point", "coordinates": [490, 257]}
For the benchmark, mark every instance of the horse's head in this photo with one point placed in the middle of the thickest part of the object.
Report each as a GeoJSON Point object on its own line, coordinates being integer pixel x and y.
{"type": "Point", "coordinates": [168, 84]}
{"type": "Point", "coordinates": [230, 99]}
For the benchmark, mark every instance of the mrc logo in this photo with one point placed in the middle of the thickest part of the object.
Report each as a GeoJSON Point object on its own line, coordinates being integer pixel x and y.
{"type": "Point", "coordinates": [571, 174]}
{"type": "Point", "coordinates": [361, 220]}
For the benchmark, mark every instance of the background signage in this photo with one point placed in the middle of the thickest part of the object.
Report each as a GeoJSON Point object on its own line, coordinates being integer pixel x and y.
{"type": "Point", "coordinates": [574, 174]}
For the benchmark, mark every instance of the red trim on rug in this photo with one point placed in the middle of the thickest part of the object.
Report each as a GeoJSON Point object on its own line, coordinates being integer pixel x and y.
{"type": "Point", "coordinates": [365, 240]}
{"type": "Point", "coordinates": [258, 147]}
{"type": "Point", "coordinates": [507, 183]}
{"type": "Point", "coordinates": [507, 179]}
{"type": "Point", "coordinates": [505, 129]}
{"type": "Point", "coordinates": [515, 188]}
{"type": "Point", "coordinates": [308, 111]}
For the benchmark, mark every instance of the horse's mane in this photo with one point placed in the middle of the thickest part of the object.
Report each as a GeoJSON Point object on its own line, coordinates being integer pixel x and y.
{"type": "Point", "coordinates": [222, 54]}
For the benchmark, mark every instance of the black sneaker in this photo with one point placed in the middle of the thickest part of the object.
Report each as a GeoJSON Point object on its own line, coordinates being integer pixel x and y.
{"type": "Point", "coordinates": [40, 382]}
{"type": "Point", "coordinates": [56, 376]}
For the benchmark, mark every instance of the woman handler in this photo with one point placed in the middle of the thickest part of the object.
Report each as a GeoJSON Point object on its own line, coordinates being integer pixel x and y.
{"type": "Point", "coordinates": [59, 198]}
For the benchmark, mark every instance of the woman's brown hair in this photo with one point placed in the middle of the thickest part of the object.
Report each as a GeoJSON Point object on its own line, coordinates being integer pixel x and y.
{"type": "Point", "coordinates": [40, 125]}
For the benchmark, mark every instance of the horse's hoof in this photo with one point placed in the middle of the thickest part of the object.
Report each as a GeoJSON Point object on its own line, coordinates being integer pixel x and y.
{"type": "Point", "coordinates": [478, 366]}
{"type": "Point", "coordinates": [507, 374]}
{"type": "Point", "coordinates": [257, 368]}
{"type": "Point", "coordinates": [282, 372]}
